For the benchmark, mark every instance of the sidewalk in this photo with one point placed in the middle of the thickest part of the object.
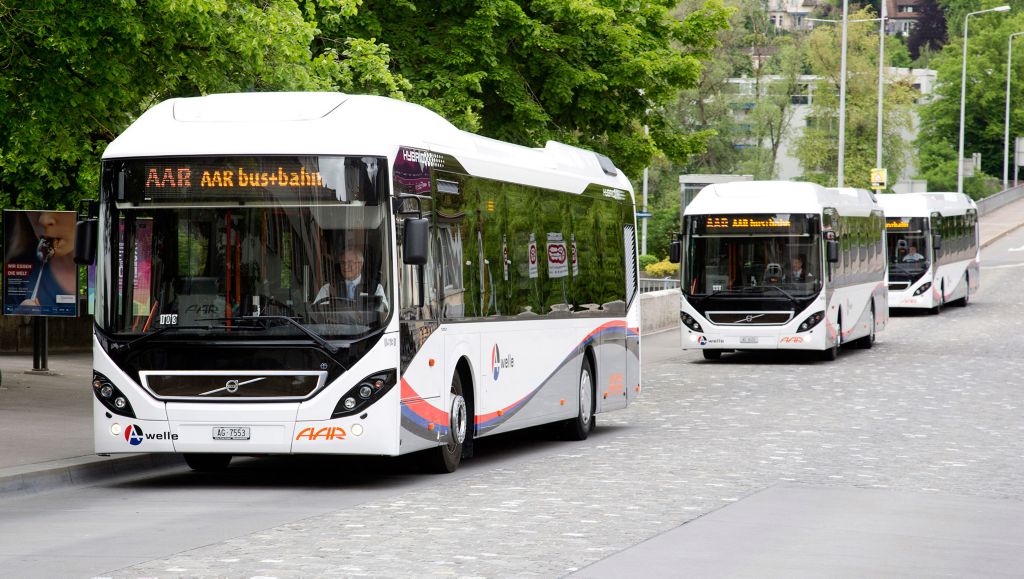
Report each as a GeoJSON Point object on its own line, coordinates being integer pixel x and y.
{"type": "Point", "coordinates": [46, 436]}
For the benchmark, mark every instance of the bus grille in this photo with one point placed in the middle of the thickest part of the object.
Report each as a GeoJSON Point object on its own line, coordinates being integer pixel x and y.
{"type": "Point", "coordinates": [227, 385]}
{"type": "Point", "coordinates": [899, 285]}
{"type": "Point", "coordinates": [749, 318]}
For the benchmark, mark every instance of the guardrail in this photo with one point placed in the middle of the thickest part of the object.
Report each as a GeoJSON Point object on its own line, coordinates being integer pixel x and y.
{"type": "Point", "coordinates": [993, 202]}
{"type": "Point", "coordinates": [658, 284]}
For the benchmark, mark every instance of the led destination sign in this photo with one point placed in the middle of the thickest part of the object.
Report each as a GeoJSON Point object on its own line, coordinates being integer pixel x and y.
{"type": "Point", "coordinates": [749, 224]}
{"type": "Point", "coordinates": [249, 179]}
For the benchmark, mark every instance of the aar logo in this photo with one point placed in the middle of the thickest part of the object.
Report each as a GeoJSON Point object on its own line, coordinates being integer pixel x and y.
{"type": "Point", "coordinates": [497, 362]}
{"type": "Point", "coordinates": [702, 340]}
{"type": "Point", "coordinates": [133, 434]}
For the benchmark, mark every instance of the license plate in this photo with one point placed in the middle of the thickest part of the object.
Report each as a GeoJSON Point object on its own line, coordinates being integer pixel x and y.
{"type": "Point", "coordinates": [748, 340]}
{"type": "Point", "coordinates": [231, 433]}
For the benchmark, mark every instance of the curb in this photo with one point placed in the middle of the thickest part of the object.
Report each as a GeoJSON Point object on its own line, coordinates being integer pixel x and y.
{"type": "Point", "coordinates": [1000, 235]}
{"type": "Point", "coordinates": [83, 470]}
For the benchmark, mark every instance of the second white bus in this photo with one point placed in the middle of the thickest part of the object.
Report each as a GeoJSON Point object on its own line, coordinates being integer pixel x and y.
{"type": "Point", "coordinates": [782, 265]}
{"type": "Point", "coordinates": [933, 249]}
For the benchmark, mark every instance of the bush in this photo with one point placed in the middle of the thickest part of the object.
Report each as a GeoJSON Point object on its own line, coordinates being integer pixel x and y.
{"type": "Point", "coordinates": [647, 260]}
{"type": "Point", "coordinates": [662, 269]}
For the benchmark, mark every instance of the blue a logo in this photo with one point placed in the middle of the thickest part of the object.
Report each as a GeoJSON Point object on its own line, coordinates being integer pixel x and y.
{"type": "Point", "coordinates": [702, 340]}
{"type": "Point", "coordinates": [497, 362]}
{"type": "Point", "coordinates": [133, 434]}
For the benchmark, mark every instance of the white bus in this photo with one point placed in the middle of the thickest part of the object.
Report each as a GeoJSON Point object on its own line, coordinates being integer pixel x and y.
{"type": "Point", "coordinates": [933, 249]}
{"type": "Point", "coordinates": [781, 265]}
{"type": "Point", "coordinates": [327, 273]}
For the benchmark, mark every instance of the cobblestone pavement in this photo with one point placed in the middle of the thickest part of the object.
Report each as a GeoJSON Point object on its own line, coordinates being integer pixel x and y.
{"type": "Point", "coordinates": [935, 407]}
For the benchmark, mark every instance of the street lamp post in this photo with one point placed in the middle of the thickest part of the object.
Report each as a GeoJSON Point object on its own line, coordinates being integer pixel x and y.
{"type": "Point", "coordinates": [1006, 129]}
{"type": "Point", "coordinates": [842, 86]}
{"type": "Point", "coordinates": [881, 65]}
{"type": "Point", "coordinates": [963, 95]}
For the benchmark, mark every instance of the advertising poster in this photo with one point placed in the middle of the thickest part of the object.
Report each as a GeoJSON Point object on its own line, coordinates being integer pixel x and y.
{"type": "Point", "coordinates": [40, 274]}
{"type": "Point", "coordinates": [558, 258]}
{"type": "Point", "coordinates": [575, 258]}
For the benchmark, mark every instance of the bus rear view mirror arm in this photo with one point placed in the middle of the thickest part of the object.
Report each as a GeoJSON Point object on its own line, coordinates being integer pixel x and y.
{"type": "Point", "coordinates": [674, 251]}
{"type": "Point", "coordinates": [85, 241]}
{"type": "Point", "coordinates": [832, 250]}
{"type": "Point", "coordinates": [415, 241]}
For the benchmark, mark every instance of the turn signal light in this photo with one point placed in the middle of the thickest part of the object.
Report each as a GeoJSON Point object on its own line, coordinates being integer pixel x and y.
{"type": "Point", "coordinates": [110, 397]}
{"type": "Point", "coordinates": [811, 321]}
{"type": "Point", "coordinates": [689, 322]}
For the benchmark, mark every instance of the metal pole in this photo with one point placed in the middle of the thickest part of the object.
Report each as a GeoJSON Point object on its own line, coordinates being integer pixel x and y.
{"type": "Point", "coordinates": [1006, 124]}
{"type": "Point", "coordinates": [39, 344]}
{"type": "Point", "coordinates": [842, 97]}
{"type": "Point", "coordinates": [881, 84]}
{"type": "Point", "coordinates": [643, 225]}
{"type": "Point", "coordinates": [963, 95]}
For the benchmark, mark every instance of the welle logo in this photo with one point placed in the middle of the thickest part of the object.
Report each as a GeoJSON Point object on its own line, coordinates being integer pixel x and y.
{"type": "Point", "coordinates": [498, 363]}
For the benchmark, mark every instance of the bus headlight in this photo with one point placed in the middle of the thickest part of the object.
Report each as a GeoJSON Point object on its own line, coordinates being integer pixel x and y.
{"type": "Point", "coordinates": [689, 322]}
{"type": "Point", "coordinates": [811, 321]}
{"type": "Point", "coordinates": [924, 287]}
{"type": "Point", "coordinates": [110, 397]}
{"type": "Point", "coordinates": [364, 393]}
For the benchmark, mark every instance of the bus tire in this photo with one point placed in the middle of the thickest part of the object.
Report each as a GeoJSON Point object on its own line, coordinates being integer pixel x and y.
{"type": "Point", "coordinates": [832, 353]}
{"type": "Point", "coordinates": [962, 302]}
{"type": "Point", "coordinates": [207, 462]}
{"type": "Point", "coordinates": [712, 354]}
{"type": "Point", "coordinates": [942, 301]}
{"type": "Point", "coordinates": [579, 428]}
{"type": "Point", "coordinates": [867, 341]}
{"type": "Point", "coordinates": [447, 457]}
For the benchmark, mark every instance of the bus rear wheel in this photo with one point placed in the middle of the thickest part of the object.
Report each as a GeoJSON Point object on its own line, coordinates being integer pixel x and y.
{"type": "Point", "coordinates": [869, 340]}
{"type": "Point", "coordinates": [207, 462]}
{"type": "Point", "coordinates": [447, 457]}
{"type": "Point", "coordinates": [579, 428]}
{"type": "Point", "coordinates": [962, 302]}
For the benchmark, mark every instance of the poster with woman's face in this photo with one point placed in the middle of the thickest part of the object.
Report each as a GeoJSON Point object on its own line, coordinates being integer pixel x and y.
{"type": "Point", "coordinates": [40, 274]}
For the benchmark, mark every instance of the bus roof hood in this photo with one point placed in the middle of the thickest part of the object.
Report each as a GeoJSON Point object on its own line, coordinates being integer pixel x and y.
{"type": "Point", "coordinates": [924, 204]}
{"type": "Point", "coordinates": [779, 197]}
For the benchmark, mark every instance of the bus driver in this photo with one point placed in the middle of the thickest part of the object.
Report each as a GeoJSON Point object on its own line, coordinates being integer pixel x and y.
{"type": "Point", "coordinates": [352, 285]}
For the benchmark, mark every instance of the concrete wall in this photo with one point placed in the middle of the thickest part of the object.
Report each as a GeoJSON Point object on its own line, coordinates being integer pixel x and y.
{"type": "Point", "coordinates": [66, 334]}
{"type": "Point", "coordinates": [993, 202]}
{"type": "Point", "coordinates": [659, 310]}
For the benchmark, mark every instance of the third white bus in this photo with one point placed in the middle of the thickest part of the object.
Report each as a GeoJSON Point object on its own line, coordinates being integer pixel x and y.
{"type": "Point", "coordinates": [933, 249]}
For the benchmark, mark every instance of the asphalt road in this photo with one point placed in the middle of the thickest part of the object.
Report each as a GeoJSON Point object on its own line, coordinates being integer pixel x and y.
{"type": "Point", "coordinates": [934, 410]}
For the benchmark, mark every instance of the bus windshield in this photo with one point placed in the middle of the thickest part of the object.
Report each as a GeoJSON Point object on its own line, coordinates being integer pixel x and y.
{"type": "Point", "coordinates": [907, 239]}
{"type": "Point", "coordinates": [752, 254]}
{"type": "Point", "coordinates": [293, 247]}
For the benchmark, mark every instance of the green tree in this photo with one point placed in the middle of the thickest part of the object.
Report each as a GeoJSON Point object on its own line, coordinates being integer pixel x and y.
{"type": "Point", "coordinates": [938, 140]}
{"type": "Point", "coordinates": [75, 73]}
{"type": "Point", "coordinates": [817, 148]}
{"type": "Point", "coordinates": [585, 72]}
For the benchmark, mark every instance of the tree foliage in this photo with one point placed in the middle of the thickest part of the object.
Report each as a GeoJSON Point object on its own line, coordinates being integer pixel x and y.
{"type": "Point", "coordinates": [929, 30]}
{"type": "Point", "coordinates": [938, 140]}
{"type": "Point", "coordinates": [818, 147]}
{"type": "Point", "coordinates": [75, 73]}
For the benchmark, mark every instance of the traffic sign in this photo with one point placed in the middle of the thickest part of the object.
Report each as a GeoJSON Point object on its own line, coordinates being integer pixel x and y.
{"type": "Point", "coordinates": [643, 214]}
{"type": "Point", "coordinates": [879, 178]}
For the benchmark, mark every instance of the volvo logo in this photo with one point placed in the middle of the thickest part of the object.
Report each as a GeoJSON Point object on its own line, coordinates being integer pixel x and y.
{"type": "Point", "coordinates": [232, 386]}
{"type": "Point", "coordinates": [750, 318]}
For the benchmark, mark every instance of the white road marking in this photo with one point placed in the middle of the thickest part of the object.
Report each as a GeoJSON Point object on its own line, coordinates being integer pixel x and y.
{"type": "Point", "coordinates": [1021, 248]}
{"type": "Point", "coordinates": [1006, 266]}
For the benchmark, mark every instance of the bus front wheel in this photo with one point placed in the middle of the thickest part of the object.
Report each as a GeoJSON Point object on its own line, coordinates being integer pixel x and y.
{"type": "Point", "coordinates": [579, 428]}
{"type": "Point", "coordinates": [712, 354]}
{"type": "Point", "coordinates": [207, 462]}
{"type": "Point", "coordinates": [447, 457]}
{"type": "Point", "coordinates": [833, 352]}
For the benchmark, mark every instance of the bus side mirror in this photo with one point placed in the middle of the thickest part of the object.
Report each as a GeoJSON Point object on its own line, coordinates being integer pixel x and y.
{"type": "Point", "coordinates": [85, 241]}
{"type": "Point", "coordinates": [674, 249]}
{"type": "Point", "coordinates": [937, 241]}
{"type": "Point", "coordinates": [415, 242]}
{"type": "Point", "coordinates": [832, 251]}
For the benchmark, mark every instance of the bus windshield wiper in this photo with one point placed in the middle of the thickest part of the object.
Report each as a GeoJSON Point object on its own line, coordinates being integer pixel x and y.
{"type": "Point", "coordinates": [309, 333]}
{"type": "Point", "coordinates": [116, 347]}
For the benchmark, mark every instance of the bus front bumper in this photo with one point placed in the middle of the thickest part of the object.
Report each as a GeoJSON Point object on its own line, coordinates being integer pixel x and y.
{"type": "Point", "coordinates": [754, 338]}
